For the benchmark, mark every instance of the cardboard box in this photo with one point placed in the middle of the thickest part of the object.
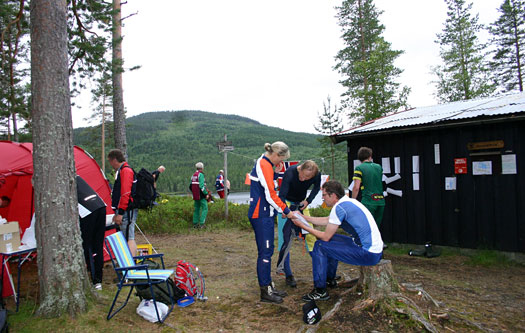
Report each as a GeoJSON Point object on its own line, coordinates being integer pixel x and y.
{"type": "Point", "coordinates": [144, 249]}
{"type": "Point", "coordinates": [9, 237]}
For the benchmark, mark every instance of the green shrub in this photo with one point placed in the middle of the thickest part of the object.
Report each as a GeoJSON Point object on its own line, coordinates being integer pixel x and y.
{"type": "Point", "coordinates": [174, 214]}
{"type": "Point", "coordinates": [319, 211]}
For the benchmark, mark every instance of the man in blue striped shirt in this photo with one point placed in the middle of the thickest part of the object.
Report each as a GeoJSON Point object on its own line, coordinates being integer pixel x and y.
{"type": "Point", "coordinates": [363, 246]}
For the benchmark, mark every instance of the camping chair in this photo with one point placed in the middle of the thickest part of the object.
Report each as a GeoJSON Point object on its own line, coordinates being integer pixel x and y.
{"type": "Point", "coordinates": [131, 275]}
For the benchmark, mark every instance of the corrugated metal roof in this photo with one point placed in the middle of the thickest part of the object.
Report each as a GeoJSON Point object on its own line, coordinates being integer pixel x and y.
{"type": "Point", "coordinates": [455, 111]}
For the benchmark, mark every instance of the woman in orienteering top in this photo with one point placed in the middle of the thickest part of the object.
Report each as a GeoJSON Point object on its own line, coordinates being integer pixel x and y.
{"type": "Point", "coordinates": [264, 202]}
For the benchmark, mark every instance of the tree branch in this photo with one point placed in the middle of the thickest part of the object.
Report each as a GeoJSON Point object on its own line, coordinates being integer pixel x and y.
{"type": "Point", "coordinates": [81, 26]}
{"type": "Point", "coordinates": [17, 21]}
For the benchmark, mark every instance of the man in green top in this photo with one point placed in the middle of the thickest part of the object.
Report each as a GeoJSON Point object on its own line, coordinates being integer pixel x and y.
{"type": "Point", "coordinates": [368, 176]}
{"type": "Point", "coordinates": [200, 195]}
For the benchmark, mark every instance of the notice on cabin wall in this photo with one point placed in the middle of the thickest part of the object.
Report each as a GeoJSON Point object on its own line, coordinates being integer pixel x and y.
{"type": "Point", "coordinates": [385, 163]}
{"type": "Point", "coordinates": [460, 166]}
{"type": "Point", "coordinates": [415, 163]}
{"type": "Point", "coordinates": [482, 168]}
{"type": "Point", "coordinates": [450, 183]}
{"type": "Point", "coordinates": [397, 165]}
{"type": "Point", "coordinates": [437, 159]}
{"type": "Point", "coordinates": [415, 181]}
{"type": "Point", "coordinates": [508, 164]}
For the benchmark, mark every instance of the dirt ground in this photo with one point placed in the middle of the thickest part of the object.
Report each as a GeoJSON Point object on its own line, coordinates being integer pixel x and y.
{"type": "Point", "coordinates": [487, 299]}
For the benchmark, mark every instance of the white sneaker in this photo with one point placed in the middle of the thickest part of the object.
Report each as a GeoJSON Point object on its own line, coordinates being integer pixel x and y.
{"type": "Point", "coordinates": [98, 286]}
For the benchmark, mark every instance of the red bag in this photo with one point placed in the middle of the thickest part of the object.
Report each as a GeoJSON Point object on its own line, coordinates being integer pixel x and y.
{"type": "Point", "coordinates": [184, 278]}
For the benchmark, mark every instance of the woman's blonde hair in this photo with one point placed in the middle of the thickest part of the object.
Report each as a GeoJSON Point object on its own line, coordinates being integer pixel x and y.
{"type": "Point", "coordinates": [278, 147]}
{"type": "Point", "coordinates": [309, 165]}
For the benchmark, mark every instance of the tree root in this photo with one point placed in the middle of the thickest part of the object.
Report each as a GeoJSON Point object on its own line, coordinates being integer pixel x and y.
{"type": "Point", "coordinates": [417, 288]}
{"type": "Point", "coordinates": [461, 317]}
{"type": "Point", "coordinates": [413, 311]}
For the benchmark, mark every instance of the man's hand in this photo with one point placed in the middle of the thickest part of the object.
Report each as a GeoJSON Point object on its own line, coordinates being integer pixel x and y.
{"type": "Point", "coordinates": [117, 219]}
{"type": "Point", "coordinates": [290, 215]}
{"type": "Point", "coordinates": [297, 222]}
{"type": "Point", "coordinates": [303, 204]}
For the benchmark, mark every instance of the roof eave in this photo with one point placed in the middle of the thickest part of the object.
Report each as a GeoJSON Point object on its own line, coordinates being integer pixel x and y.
{"type": "Point", "coordinates": [438, 125]}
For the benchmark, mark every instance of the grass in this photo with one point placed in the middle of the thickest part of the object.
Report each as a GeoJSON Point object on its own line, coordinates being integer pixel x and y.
{"type": "Point", "coordinates": [226, 253]}
{"type": "Point", "coordinates": [174, 215]}
{"type": "Point", "coordinates": [489, 258]}
{"type": "Point", "coordinates": [474, 257]}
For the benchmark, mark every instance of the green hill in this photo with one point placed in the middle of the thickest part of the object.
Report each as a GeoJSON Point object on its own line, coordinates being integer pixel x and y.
{"type": "Point", "coordinates": [179, 139]}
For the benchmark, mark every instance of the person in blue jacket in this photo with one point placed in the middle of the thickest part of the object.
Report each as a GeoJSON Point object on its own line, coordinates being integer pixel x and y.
{"type": "Point", "coordinates": [264, 202]}
{"type": "Point", "coordinates": [297, 180]}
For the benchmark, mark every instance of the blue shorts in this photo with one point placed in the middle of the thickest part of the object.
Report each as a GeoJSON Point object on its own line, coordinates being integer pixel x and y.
{"type": "Point", "coordinates": [130, 234]}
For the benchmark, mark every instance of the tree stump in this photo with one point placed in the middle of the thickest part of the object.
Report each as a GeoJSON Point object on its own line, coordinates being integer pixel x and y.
{"type": "Point", "coordinates": [378, 282]}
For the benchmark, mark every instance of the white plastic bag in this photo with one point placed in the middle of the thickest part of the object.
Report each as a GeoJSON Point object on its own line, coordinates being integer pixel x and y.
{"type": "Point", "coordinates": [29, 235]}
{"type": "Point", "coordinates": [146, 309]}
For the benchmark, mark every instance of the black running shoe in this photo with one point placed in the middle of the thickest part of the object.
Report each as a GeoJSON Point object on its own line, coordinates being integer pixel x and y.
{"type": "Point", "coordinates": [331, 283]}
{"type": "Point", "coordinates": [281, 293]}
{"type": "Point", "coordinates": [290, 281]}
{"type": "Point", "coordinates": [316, 295]}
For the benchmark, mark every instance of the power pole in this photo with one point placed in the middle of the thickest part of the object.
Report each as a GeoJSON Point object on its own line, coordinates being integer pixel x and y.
{"type": "Point", "coordinates": [224, 147]}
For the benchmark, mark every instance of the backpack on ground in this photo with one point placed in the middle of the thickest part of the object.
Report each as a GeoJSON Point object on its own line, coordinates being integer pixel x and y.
{"type": "Point", "coordinates": [144, 192]}
{"type": "Point", "coordinates": [190, 279]}
{"type": "Point", "coordinates": [159, 290]}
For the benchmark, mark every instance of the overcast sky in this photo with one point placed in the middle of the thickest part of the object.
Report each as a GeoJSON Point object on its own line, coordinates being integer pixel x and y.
{"type": "Point", "coordinates": [267, 60]}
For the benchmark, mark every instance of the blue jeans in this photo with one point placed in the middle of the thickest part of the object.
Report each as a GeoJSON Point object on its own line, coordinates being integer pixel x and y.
{"type": "Point", "coordinates": [326, 256]}
{"type": "Point", "coordinates": [264, 229]}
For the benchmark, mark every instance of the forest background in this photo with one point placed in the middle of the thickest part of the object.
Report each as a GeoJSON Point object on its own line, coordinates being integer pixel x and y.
{"type": "Point", "coordinates": [179, 139]}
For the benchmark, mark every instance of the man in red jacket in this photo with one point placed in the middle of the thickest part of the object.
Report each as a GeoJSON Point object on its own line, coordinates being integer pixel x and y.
{"type": "Point", "coordinates": [121, 200]}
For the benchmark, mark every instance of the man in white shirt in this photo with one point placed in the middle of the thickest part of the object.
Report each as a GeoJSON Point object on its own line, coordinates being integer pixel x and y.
{"type": "Point", "coordinates": [363, 246]}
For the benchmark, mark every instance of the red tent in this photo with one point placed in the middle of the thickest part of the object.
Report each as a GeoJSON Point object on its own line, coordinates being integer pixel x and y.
{"type": "Point", "coordinates": [16, 170]}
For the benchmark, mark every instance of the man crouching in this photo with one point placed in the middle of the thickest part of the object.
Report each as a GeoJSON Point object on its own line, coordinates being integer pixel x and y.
{"type": "Point", "coordinates": [364, 247]}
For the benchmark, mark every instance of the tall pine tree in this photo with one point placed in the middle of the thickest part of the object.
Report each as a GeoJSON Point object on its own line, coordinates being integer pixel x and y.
{"type": "Point", "coordinates": [464, 73]}
{"type": "Point", "coordinates": [14, 48]}
{"type": "Point", "coordinates": [509, 39]}
{"type": "Point", "coordinates": [367, 63]}
{"type": "Point", "coordinates": [63, 283]}
{"type": "Point", "coordinates": [119, 113]}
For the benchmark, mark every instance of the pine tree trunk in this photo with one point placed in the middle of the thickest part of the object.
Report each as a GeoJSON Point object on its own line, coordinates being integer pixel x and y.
{"type": "Point", "coordinates": [378, 281]}
{"type": "Point", "coordinates": [119, 115]}
{"type": "Point", "coordinates": [103, 137]}
{"type": "Point", "coordinates": [61, 268]}
{"type": "Point", "coordinates": [13, 99]}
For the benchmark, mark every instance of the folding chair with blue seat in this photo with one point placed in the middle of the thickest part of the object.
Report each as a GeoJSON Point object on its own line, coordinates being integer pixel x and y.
{"type": "Point", "coordinates": [130, 275]}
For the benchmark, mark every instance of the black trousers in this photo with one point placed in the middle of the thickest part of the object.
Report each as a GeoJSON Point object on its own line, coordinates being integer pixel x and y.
{"type": "Point", "coordinates": [93, 228]}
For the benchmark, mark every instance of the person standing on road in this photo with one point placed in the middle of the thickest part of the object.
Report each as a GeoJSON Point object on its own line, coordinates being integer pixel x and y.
{"type": "Point", "coordinates": [368, 176]}
{"type": "Point", "coordinates": [219, 184]}
{"type": "Point", "coordinates": [264, 201]}
{"type": "Point", "coordinates": [156, 174]}
{"type": "Point", "coordinates": [200, 195]}
{"type": "Point", "coordinates": [294, 188]}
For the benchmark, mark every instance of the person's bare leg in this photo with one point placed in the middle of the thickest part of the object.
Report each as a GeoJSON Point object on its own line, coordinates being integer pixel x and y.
{"type": "Point", "coordinates": [132, 247]}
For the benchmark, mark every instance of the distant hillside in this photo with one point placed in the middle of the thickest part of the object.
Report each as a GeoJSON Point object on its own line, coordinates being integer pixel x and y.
{"type": "Point", "coordinates": [179, 139]}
